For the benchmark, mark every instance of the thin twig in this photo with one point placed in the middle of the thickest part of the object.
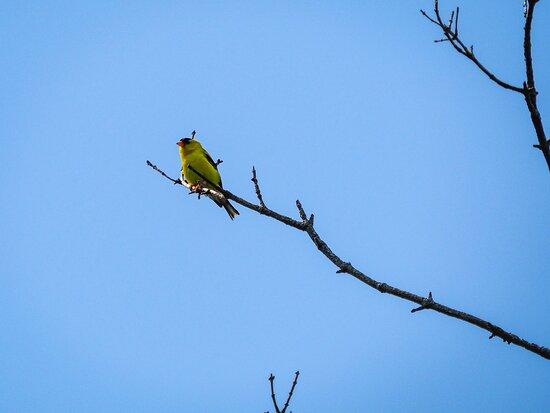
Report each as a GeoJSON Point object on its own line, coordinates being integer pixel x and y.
{"type": "Point", "coordinates": [427, 304]}
{"type": "Point", "coordinates": [271, 379]}
{"type": "Point", "coordinates": [257, 187]}
{"type": "Point", "coordinates": [175, 181]}
{"type": "Point", "coordinates": [291, 392]}
{"type": "Point", "coordinates": [527, 45]}
{"type": "Point", "coordinates": [307, 225]}
{"type": "Point", "coordinates": [456, 22]}
{"type": "Point", "coordinates": [460, 47]}
{"type": "Point", "coordinates": [528, 90]}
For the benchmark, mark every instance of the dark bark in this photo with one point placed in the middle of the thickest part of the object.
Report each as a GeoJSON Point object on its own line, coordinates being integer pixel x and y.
{"type": "Point", "coordinates": [528, 90]}
{"type": "Point", "coordinates": [428, 303]}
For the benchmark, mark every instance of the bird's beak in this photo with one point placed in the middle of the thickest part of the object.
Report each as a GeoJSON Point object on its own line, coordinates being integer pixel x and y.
{"type": "Point", "coordinates": [180, 143]}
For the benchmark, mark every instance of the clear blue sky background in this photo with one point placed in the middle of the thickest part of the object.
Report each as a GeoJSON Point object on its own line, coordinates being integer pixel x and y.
{"type": "Point", "coordinates": [120, 293]}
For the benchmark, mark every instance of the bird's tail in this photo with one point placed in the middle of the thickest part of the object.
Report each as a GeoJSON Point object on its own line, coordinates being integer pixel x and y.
{"type": "Point", "coordinates": [231, 210]}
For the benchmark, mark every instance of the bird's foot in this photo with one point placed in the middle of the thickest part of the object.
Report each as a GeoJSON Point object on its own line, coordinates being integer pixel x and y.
{"type": "Point", "coordinates": [196, 187]}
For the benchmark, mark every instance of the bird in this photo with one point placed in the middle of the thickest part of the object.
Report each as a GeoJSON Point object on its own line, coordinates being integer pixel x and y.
{"type": "Point", "coordinates": [194, 158]}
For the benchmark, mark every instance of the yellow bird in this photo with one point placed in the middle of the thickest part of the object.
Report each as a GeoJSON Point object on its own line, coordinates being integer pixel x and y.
{"type": "Point", "coordinates": [195, 158]}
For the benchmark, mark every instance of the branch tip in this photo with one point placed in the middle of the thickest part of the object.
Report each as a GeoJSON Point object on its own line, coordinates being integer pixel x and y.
{"type": "Point", "coordinates": [257, 188]}
{"type": "Point", "coordinates": [160, 171]}
{"type": "Point", "coordinates": [271, 379]}
{"type": "Point", "coordinates": [291, 392]}
{"type": "Point", "coordinates": [456, 21]}
{"type": "Point", "coordinates": [301, 210]}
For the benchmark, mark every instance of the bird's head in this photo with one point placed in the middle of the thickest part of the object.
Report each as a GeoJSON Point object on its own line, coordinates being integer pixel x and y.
{"type": "Point", "coordinates": [188, 145]}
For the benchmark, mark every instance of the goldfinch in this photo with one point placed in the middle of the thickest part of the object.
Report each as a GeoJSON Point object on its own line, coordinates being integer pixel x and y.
{"type": "Point", "coordinates": [193, 155]}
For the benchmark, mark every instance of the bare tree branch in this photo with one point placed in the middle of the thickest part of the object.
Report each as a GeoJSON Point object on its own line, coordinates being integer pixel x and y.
{"type": "Point", "coordinates": [452, 37]}
{"type": "Point", "coordinates": [427, 304]}
{"type": "Point", "coordinates": [271, 379]}
{"type": "Point", "coordinates": [290, 393]}
{"type": "Point", "coordinates": [257, 187]}
{"type": "Point", "coordinates": [306, 225]}
{"type": "Point", "coordinates": [528, 90]}
{"type": "Point", "coordinates": [175, 181]}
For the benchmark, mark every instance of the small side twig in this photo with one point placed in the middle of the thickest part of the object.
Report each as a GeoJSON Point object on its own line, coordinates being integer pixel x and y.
{"type": "Point", "coordinates": [538, 146]}
{"type": "Point", "coordinates": [175, 181]}
{"type": "Point", "coordinates": [257, 187]}
{"type": "Point", "coordinates": [301, 210]}
{"type": "Point", "coordinates": [345, 268]}
{"type": "Point", "coordinates": [273, 398]}
{"type": "Point", "coordinates": [428, 302]}
{"type": "Point", "coordinates": [291, 392]}
{"type": "Point", "coordinates": [456, 21]}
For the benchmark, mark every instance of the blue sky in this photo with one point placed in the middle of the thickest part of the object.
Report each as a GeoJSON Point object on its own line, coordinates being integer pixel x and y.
{"type": "Point", "coordinates": [121, 293]}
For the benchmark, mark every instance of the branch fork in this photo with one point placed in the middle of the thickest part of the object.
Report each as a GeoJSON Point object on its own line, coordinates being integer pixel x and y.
{"type": "Point", "coordinates": [528, 90]}
{"type": "Point", "coordinates": [345, 268]}
{"type": "Point", "coordinates": [290, 393]}
{"type": "Point", "coordinates": [499, 332]}
{"type": "Point", "coordinates": [426, 304]}
{"type": "Point", "coordinates": [538, 146]}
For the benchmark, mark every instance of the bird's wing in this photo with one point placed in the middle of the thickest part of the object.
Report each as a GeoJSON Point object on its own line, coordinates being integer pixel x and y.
{"type": "Point", "coordinates": [214, 164]}
{"type": "Point", "coordinates": [210, 160]}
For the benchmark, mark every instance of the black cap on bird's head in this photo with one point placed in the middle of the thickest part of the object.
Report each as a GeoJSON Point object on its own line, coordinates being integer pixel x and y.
{"type": "Point", "coordinates": [184, 141]}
